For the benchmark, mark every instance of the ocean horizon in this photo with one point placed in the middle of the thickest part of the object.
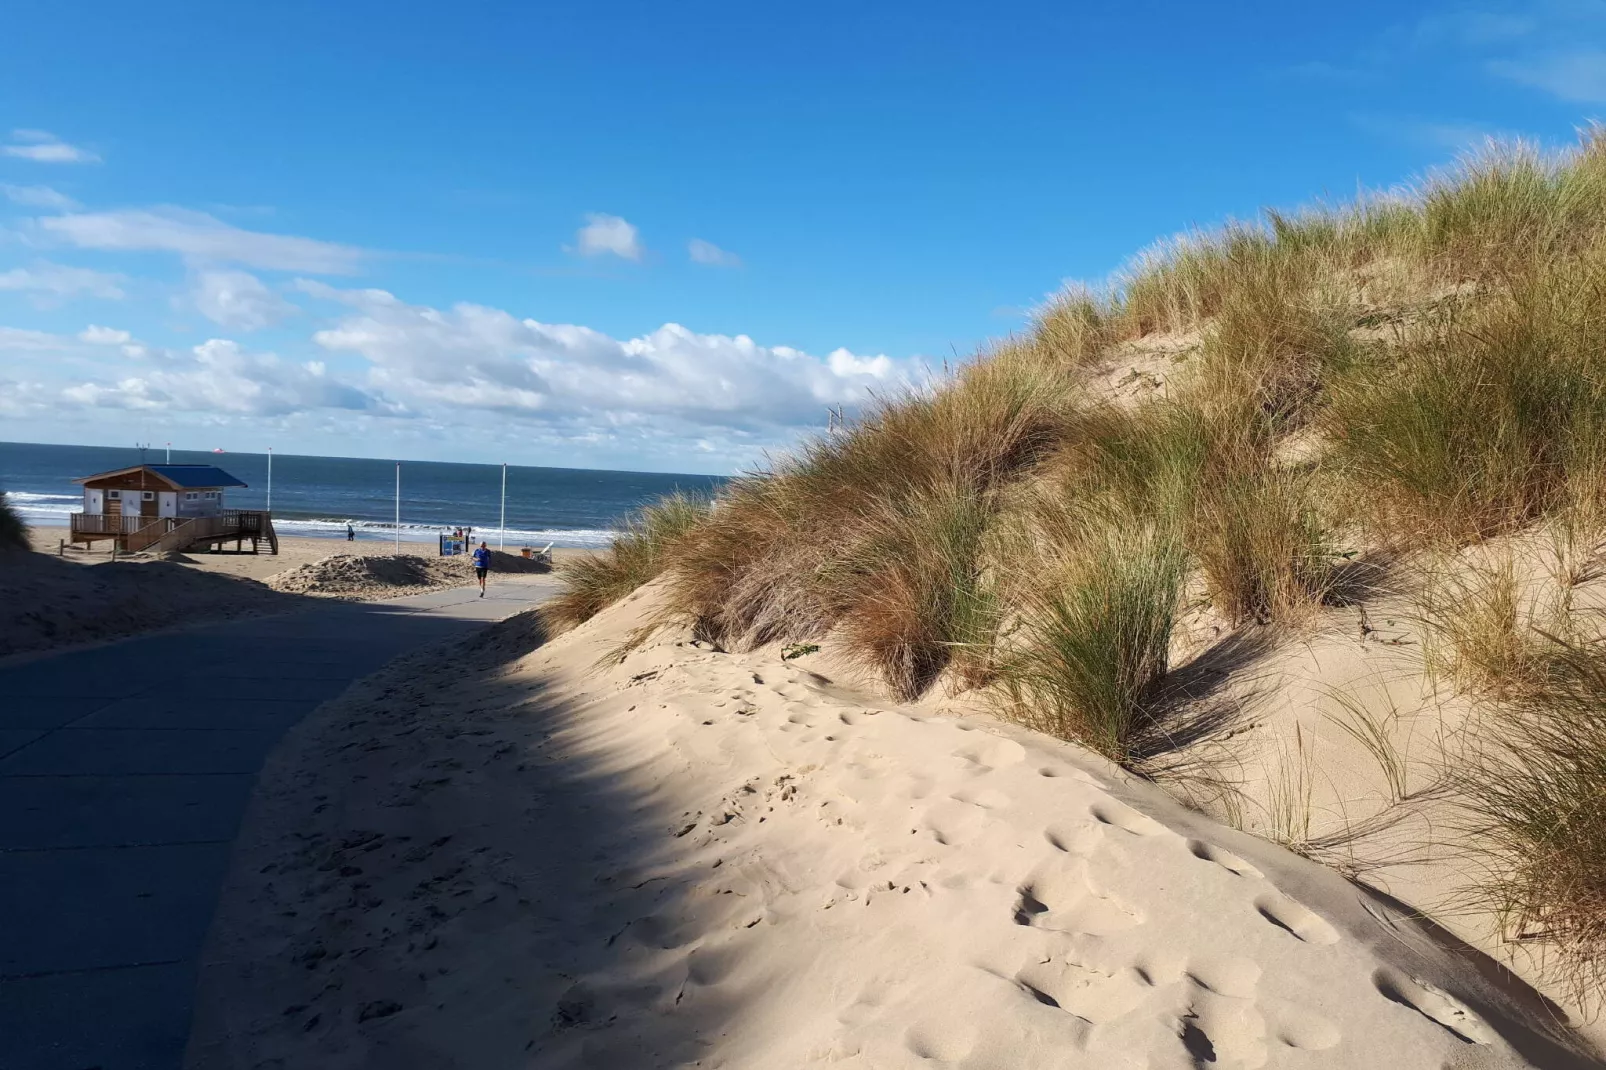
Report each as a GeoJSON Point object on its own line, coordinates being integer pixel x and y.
{"type": "Point", "coordinates": [318, 496]}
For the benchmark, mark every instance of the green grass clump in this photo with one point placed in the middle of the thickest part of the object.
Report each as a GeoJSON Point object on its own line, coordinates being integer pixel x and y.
{"type": "Point", "coordinates": [1490, 417]}
{"type": "Point", "coordinates": [908, 591]}
{"type": "Point", "coordinates": [640, 553]}
{"type": "Point", "coordinates": [1095, 641]}
{"type": "Point", "coordinates": [13, 530]}
{"type": "Point", "coordinates": [1538, 784]}
{"type": "Point", "coordinates": [1264, 554]}
{"type": "Point", "coordinates": [878, 529]}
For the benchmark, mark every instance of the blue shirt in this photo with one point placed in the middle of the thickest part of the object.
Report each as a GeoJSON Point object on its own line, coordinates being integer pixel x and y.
{"type": "Point", "coordinates": [482, 558]}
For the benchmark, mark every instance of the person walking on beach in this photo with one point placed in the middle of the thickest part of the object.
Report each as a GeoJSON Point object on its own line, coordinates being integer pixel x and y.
{"type": "Point", "coordinates": [482, 565]}
{"type": "Point", "coordinates": [351, 532]}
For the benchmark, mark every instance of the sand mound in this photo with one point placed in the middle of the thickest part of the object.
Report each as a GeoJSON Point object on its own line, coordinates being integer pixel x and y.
{"type": "Point", "coordinates": [505, 562]}
{"type": "Point", "coordinates": [688, 857]}
{"type": "Point", "coordinates": [48, 602]}
{"type": "Point", "coordinates": [371, 574]}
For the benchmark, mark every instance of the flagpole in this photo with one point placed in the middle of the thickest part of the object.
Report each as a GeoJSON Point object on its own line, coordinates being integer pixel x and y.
{"type": "Point", "coordinates": [270, 480]}
{"type": "Point", "coordinates": [169, 453]}
{"type": "Point", "coordinates": [501, 534]}
{"type": "Point", "coordinates": [398, 507]}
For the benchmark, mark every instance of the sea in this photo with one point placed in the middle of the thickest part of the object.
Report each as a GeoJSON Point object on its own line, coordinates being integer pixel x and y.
{"type": "Point", "coordinates": [319, 496]}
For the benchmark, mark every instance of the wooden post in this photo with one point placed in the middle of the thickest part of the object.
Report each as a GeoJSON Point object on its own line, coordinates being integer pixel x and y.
{"type": "Point", "coordinates": [61, 548]}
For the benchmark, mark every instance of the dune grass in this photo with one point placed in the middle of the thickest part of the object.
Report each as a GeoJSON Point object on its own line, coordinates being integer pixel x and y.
{"type": "Point", "coordinates": [1095, 640]}
{"type": "Point", "coordinates": [13, 529]}
{"type": "Point", "coordinates": [878, 530]}
{"type": "Point", "coordinates": [1413, 373]}
{"type": "Point", "coordinates": [1537, 781]}
{"type": "Point", "coordinates": [1477, 415]}
{"type": "Point", "coordinates": [1489, 418]}
{"type": "Point", "coordinates": [640, 553]}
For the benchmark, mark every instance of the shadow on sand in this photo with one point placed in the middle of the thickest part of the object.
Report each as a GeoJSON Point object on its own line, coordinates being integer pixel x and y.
{"type": "Point", "coordinates": [445, 869]}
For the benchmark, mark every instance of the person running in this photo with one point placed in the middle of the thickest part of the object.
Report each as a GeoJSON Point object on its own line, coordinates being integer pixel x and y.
{"type": "Point", "coordinates": [482, 565]}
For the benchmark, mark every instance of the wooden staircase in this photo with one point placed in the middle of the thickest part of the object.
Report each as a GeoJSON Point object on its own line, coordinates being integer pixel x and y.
{"type": "Point", "coordinates": [182, 533]}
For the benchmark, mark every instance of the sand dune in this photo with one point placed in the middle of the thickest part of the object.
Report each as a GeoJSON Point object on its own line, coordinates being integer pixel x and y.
{"type": "Point", "coordinates": [692, 858]}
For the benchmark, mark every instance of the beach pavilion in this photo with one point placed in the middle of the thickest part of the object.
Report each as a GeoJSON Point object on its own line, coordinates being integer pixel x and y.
{"type": "Point", "coordinates": [160, 507]}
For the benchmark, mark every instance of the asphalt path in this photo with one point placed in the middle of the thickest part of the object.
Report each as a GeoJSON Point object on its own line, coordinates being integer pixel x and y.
{"type": "Point", "coordinates": [124, 773]}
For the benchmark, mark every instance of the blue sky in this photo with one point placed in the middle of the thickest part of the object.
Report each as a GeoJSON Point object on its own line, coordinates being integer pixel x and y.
{"type": "Point", "coordinates": [657, 236]}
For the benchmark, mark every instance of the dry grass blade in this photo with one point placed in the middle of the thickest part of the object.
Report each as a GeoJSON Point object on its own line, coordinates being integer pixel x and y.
{"type": "Point", "coordinates": [640, 553]}
{"type": "Point", "coordinates": [1538, 785]}
{"type": "Point", "coordinates": [1374, 732]}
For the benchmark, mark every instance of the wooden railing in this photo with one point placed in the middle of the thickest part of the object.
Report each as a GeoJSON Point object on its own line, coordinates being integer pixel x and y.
{"type": "Point", "coordinates": [175, 532]}
{"type": "Point", "coordinates": [108, 523]}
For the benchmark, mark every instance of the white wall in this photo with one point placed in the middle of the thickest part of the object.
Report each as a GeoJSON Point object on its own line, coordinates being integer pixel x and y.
{"type": "Point", "coordinates": [200, 505]}
{"type": "Point", "coordinates": [94, 502]}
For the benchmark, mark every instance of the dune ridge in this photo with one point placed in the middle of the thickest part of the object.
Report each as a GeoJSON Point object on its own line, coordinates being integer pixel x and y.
{"type": "Point", "coordinates": [680, 856]}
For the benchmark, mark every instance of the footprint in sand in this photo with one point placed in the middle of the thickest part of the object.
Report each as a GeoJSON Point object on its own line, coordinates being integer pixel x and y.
{"type": "Point", "coordinates": [1225, 859]}
{"type": "Point", "coordinates": [1089, 994]}
{"type": "Point", "coordinates": [991, 753]}
{"type": "Point", "coordinates": [943, 1039]}
{"type": "Point", "coordinates": [711, 965]}
{"type": "Point", "coordinates": [1433, 1004]}
{"type": "Point", "coordinates": [987, 798]}
{"type": "Point", "coordinates": [1299, 1028]}
{"type": "Point", "coordinates": [1299, 920]}
{"type": "Point", "coordinates": [660, 932]}
{"type": "Point", "coordinates": [1064, 901]}
{"type": "Point", "coordinates": [1110, 812]}
{"type": "Point", "coordinates": [954, 824]}
{"type": "Point", "coordinates": [1226, 1032]}
{"type": "Point", "coordinates": [1080, 839]}
{"type": "Point", "coordinates": [1227, 975]}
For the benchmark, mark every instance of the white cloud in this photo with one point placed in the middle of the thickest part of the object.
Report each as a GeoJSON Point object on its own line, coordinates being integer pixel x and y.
{"type": "Point", "coordinates": [104, 336]}
{"type": "Point", "coordinates": [56, 282]}
{"type": "Point", "coordinates": [37, 197]}
{"type": "Point", "coordinates": [20, 398]}
{"type": "Point", "coordinates": [671, 381]}
{"type": "Point", "coordinates": [23, 340]}
{"type": "Point", "coordinates": [238, 300]}
{"type": "Point", "coordinates": [218, 377]}
{"type": "Point", "coordinates": [400, 371]}
{"type": "Point", "coordinates": [609, 234]}
{"type": "Point", "coordinates": [706, 252]}
{"type": "Point", "coordinates": [1578, 76]}
{"type": "Point", "coordinates": [43, 147]}
{"type": "Point", "coordinates": [201, 237]}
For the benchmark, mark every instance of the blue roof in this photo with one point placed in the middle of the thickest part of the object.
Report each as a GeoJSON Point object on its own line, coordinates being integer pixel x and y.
{"type": "Point", "coordinates": [183, 476]}
{"type": "Point", "coordinates": [195, 475]}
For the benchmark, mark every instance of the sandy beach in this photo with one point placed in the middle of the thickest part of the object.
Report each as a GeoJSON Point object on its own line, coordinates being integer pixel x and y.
{"type": "Point", "coordinates": [55, 599]}
{"type": "Point", "coordinates": [293, 551]}
{"type": "Point", "coordinates": [561, 855]}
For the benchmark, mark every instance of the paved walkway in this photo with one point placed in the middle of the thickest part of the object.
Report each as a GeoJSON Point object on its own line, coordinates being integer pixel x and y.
{"type": "Point", "coordinates": [124, 773]}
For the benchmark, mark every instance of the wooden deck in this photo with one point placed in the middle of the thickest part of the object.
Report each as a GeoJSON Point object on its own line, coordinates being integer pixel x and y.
{"type": "Point", "coordinates": [156, 534]}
